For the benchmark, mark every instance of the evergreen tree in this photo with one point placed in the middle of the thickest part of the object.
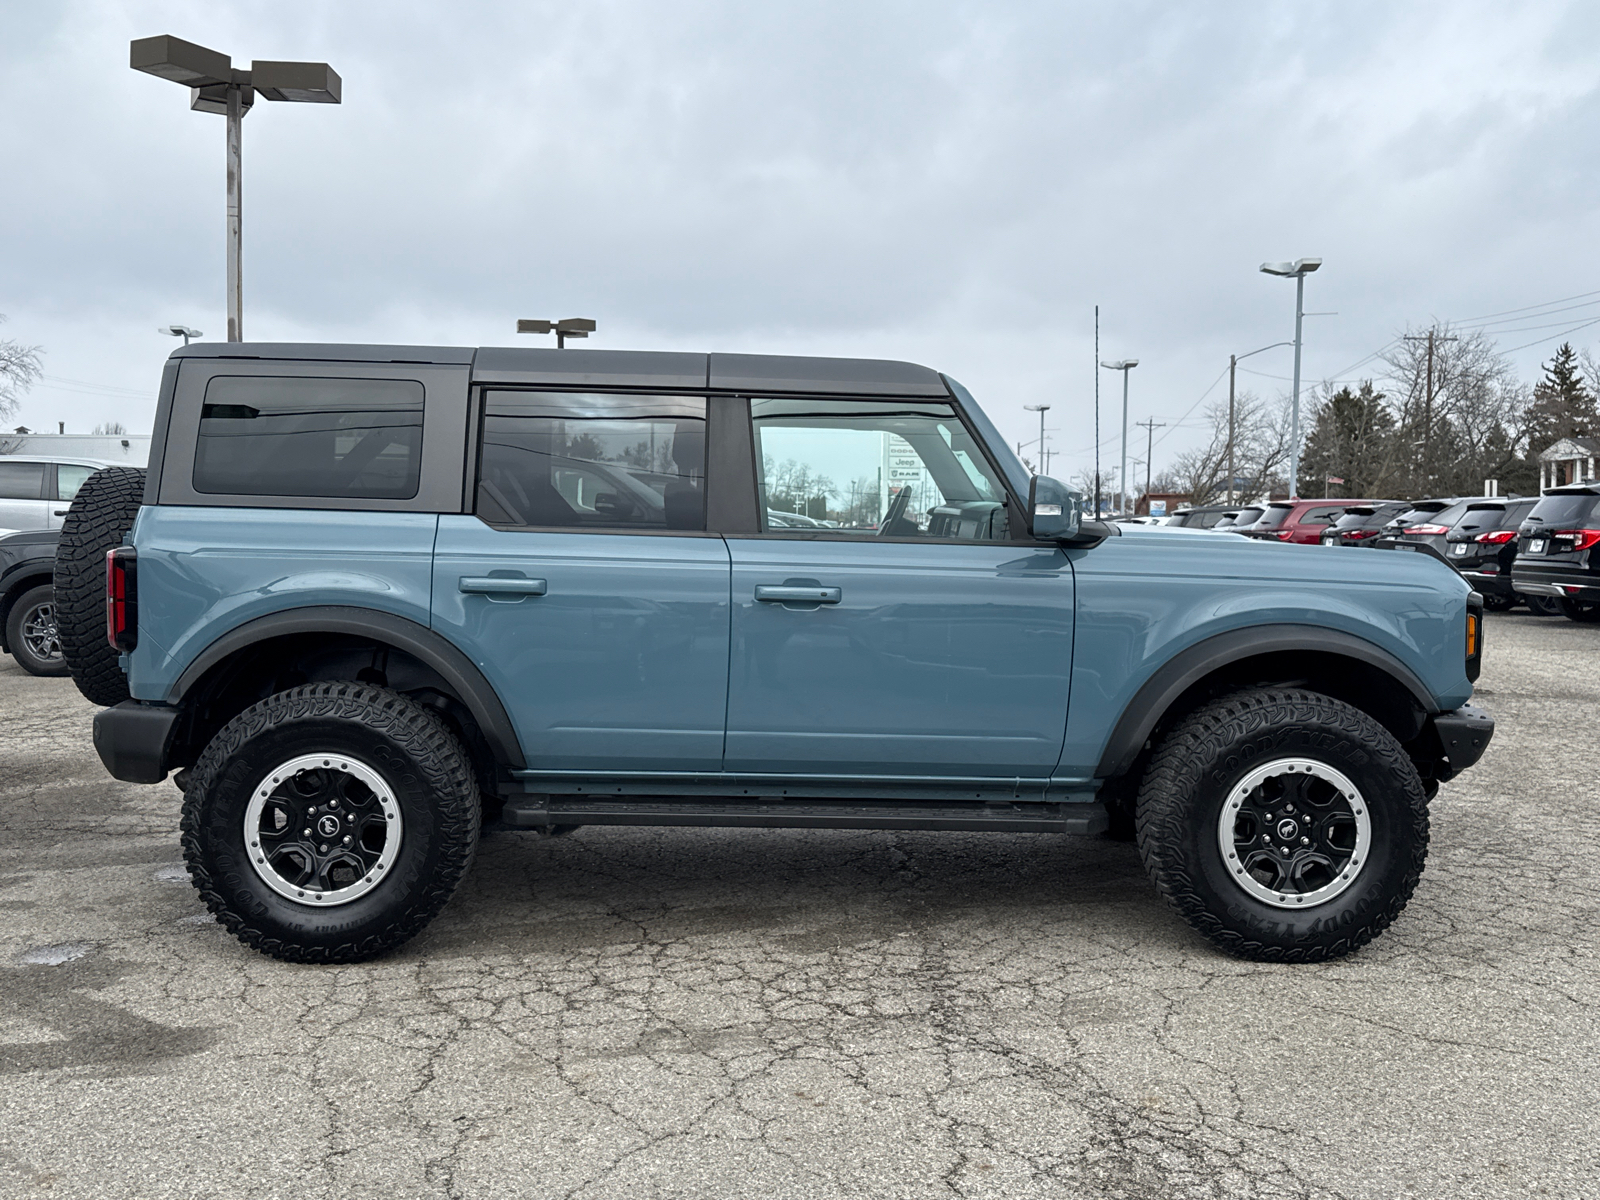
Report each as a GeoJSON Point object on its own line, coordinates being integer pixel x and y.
{"type": "Point", "coordinates": [1351, 439]}
{"type": "Point", "coordinates": [1563, 405]}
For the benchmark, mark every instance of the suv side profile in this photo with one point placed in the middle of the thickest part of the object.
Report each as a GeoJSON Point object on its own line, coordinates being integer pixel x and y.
{"type": "Point", "coordinates": [36, 490]}
{"type": "Point", "coordinates": [368, 597]}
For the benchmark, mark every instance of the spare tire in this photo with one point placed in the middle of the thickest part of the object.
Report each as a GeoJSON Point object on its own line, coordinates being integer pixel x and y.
{"type": "Point", "coordinates": [101, 514]}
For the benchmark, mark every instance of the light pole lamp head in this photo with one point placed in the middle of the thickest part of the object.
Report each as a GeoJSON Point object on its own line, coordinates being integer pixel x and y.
{"type": "Point", "coordinates": [1290, 270]}
{"type": "Point", "coordinates": [167, 57]}
{"type": "Point", "coordinates": [297, 82]}
{"type": "Point", "coordinates": [1122, 364]}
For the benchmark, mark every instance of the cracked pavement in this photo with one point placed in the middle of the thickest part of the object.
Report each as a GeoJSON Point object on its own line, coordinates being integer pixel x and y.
{"type": "Point", "coordinates": [779, 1013]}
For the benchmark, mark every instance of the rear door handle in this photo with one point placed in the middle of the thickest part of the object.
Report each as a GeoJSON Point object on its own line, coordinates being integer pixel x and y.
{"type": "Point", "coordinates": [782, 593]}
{"type": "Point", "coordinates": [61, 512]}
{"type": "Point", "coordinates": [499, 585]}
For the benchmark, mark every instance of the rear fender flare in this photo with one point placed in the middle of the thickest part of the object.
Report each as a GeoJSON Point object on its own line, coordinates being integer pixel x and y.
{"type": "Point", "coordinates": [426, 645]}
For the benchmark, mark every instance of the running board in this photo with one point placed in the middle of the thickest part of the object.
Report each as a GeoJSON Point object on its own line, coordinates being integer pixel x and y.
{"type": "Point", "coordinates": [545, 812]}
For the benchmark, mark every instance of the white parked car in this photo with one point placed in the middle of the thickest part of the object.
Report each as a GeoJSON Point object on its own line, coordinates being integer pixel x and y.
{"type": "Point", "coordinates": [36, 489]}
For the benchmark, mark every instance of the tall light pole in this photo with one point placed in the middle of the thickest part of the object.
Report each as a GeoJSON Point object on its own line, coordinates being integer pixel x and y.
{"type": "Point", "coordinates": [1296, 270]}
{"type": "Point", "coordinates": [216, 87]}
{"type": "Point", "coordinates": [1041, 409]}
{"type": "Point", "coordinates": [1124, 365]}
{"type": "Point", "coordinates": [1233, 366]}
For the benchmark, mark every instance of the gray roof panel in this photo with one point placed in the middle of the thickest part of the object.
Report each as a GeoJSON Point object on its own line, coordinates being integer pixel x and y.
{"type": "Point", "coordinates": [845, 376]}
{"type": "Point", "coordinates": [589, 368]}
{"type": "Point", "coordinates": [327, 352]}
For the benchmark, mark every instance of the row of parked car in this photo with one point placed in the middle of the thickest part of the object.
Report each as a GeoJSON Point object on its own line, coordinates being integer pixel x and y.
{"type": "Point", "coordinates": [1542, 551]}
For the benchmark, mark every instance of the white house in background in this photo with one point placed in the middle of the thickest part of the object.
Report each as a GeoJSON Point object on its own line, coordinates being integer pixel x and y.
{"type": "Point", "coordinates": [130, 448]}
{"type": "Point", "coordinates": [1571, 460]}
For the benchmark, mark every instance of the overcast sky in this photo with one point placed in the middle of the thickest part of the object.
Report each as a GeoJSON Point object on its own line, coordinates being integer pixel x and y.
{"type": "Point", "coordinates": [956, 184]}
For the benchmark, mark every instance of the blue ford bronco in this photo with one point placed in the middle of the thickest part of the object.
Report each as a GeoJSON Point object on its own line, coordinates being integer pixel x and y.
{"type": "Point", "coordinates": [368, 598]}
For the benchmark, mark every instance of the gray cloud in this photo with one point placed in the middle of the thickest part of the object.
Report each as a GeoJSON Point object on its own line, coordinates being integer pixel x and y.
{"type": "Point", "coordinates": [954, 183]}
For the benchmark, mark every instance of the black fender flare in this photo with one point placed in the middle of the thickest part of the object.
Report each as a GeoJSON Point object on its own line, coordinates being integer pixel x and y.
{"type": "Point", "coordinates": [1186, 668]}
{"type": "Point", "coordinates": [426, 645]}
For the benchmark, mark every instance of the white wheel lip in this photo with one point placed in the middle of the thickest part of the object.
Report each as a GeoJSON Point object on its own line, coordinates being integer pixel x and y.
{"type": "Point", "coordinates": [388, 804]}
{"type": "Point", "coordinates": [1285, 766]}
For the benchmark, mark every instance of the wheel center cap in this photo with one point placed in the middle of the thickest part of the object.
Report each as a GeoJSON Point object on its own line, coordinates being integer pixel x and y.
{"type": "Point", "coordinates": [1287, 829]}
{"type": "Point", "coordinates": [328, 826]}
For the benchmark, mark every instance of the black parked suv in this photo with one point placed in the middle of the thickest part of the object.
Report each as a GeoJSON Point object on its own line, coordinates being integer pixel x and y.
{"type": "Point", "coordinates": [1484, 545]}
{"type": "Point", "coordinates": [1202, 516]}
{"type": "Point", "coordinates": [1363, 522]}
{"type": "Point", "coordinates": [1427, 531]}
{"type": "Point", "coordinates": [1558, 551]}
{"type": "Point", "coordinates": [27, 602]}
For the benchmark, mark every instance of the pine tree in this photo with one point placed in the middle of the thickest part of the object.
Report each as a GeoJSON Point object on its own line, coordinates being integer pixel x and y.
{"type": "Point", "coordinates": [1563, 405]}
{"type": "Point", "coordinates": [1351, 439]}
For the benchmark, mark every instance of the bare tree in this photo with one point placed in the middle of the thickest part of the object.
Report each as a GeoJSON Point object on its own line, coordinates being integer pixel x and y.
{"type": "Point", "coordinates": [111, 429]}
{"type": "Point", "coordinates": [1470, 427]}
{"type": "Point", "coordinates": [1260, 451]}
{"type": "Point", "coordinates": [19, 370]}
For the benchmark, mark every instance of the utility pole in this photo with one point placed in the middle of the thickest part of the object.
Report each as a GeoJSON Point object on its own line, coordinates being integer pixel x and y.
{"type": "Point", "coordinates": [1150, 428]}
{"type": "Point", "coordinates": [1427, 404]}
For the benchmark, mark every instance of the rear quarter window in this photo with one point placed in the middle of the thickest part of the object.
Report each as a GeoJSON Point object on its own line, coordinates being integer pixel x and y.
{"type": "Point", "coordinates": [333, 438]}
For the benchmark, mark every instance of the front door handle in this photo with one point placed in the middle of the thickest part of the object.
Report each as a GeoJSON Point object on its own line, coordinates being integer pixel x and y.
{"type": "Point", "coordinates": [500, 585]}
{"type": "Point", "coordinates": [786, 593]}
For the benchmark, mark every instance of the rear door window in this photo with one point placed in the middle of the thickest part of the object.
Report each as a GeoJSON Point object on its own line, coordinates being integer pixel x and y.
{"type": "Point", "coordinates": [593, 461]}
{"type": "Point", "coordinates": [1274, 517]}
{"type": "Point", "coordinates": [299, 436]}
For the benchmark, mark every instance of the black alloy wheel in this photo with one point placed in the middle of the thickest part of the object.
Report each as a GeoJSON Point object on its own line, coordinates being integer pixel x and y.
{"type": "Point", "coordinates": [32, 634]}
{"type": "Point", "coordinates": [1543, 606]}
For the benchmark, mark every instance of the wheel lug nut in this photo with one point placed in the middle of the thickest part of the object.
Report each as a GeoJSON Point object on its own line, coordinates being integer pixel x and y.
{"type": "Point", "coordinates": [307, 833]}
{"type": "Point", "coordinates": [324, 850]}
{"type": "Point", "coordinates": [347, 839]}
{"type": "Point", "coordinates": [1303, 841]}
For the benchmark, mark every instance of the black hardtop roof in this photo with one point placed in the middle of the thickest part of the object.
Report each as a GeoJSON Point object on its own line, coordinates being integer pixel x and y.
{"type": "Point", "coordinates": [617, 368]}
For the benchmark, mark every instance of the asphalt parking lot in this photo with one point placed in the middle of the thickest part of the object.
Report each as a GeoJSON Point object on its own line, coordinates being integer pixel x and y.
{"type": "Point", "coordinates": [661, 1013]}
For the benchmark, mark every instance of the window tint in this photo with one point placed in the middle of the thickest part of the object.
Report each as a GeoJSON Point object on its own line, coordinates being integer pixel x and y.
{"type": "Point", "coordinates": [1322, 516]}
{"type": "Point", "coordinates": [310, 437]}
{"type": "Point", "coordinates": [1479, 517]}
{"type": "Point", "coordinates": [1207, 520]}
{"type": "Point", "coordinates": [865, 469]}
{"type": "Point", "coordinates": [1565, 510]}
{"type": "Point", "coordinates": [69, 478]}
{"type": "Point", "coordinates": [593, 461]}
{"type": "Point", "coordinates": [1274, 517]}
{"type": "Point", "coordinates": [21, 481]}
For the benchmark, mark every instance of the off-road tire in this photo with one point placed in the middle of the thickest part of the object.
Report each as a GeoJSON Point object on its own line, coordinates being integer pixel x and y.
{"type": "Point", "coordinates": [17, 622]}
{"type": "Point", "coordinates": [418, 757]}
{"type": "Point", "coordinates": [101, 514]}
{"type": "Point", "coordinates": [1190, 778]}
{"type": "Point", "coordinates": [1585, 612]}
{"type": "Point", "coordinates": [1543, 606]}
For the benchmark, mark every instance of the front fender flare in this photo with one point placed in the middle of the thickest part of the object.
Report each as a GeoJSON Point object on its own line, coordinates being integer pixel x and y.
{"type": "Point", "coordinates": [1186, 668]}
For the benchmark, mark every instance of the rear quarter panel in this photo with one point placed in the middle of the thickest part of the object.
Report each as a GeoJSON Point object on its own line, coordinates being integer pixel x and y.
{"type": "Point", "coordinates": [1153, 592]}
{"type": "Point", "coordinates": [205, 571]}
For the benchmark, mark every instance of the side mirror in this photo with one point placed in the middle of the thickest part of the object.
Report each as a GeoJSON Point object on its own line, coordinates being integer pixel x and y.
{"type": "Point", "coordinates": [1052, 510]}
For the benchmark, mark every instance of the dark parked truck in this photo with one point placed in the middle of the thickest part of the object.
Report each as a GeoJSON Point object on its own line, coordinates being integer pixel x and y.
{"type": "Point", "coordinates": [369, 597]}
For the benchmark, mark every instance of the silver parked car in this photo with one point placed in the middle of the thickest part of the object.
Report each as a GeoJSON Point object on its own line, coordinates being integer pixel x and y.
{"type": "Point", "coordinates": [36, 489]}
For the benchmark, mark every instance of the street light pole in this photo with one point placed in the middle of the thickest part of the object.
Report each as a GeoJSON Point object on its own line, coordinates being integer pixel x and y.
{"type": "Point", "coordinates": [1233, 366]}
{"type": "Point", "coordinates": [215, 86]}
{"type": "Point", "coordinates": [1041, 409]}
{"type": "Point", "coordinates": [1297, 270]}
{"type": "Point", "coordinates": [1124, 365]}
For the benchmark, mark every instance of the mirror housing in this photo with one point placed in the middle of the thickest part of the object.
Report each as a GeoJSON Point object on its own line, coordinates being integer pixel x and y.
{"type": "Point", "coordinates": [1052, 510]}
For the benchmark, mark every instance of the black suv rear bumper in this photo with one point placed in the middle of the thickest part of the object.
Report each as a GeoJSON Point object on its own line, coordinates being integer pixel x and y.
{"type": "Point", "coordinates": [133, 739]}
{"type": "Point", "coordinates": [1564, 584]}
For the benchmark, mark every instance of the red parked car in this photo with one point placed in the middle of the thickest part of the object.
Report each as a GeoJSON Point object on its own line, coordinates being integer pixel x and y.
{"type": "Point", "coordinates": [1303, 521]}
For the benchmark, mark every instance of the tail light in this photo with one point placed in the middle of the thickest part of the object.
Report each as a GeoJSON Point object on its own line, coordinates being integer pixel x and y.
{"type": "Point", "coordinates": [1582, 539]}
{"type": "Point", "coordinates": [1284, 534]}
{"type": "Point", "coordinates": [1361, 535]}
{"type": "Point", "coordinates": [1433, 530]}
{"type": "Point", "coordinates": [1498, 538]}
{"type": "Point", "coordinates": [122, 598]}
